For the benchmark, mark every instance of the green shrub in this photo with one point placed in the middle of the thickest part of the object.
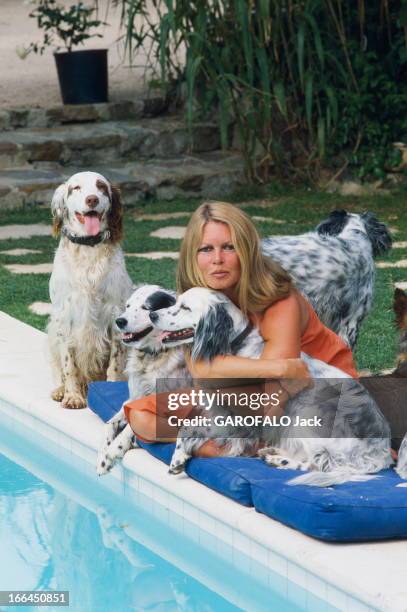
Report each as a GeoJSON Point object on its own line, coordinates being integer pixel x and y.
{"type": "Point", "coordinates": [304, 81]}
{"type": "Point", "coordinates": [61, 24]}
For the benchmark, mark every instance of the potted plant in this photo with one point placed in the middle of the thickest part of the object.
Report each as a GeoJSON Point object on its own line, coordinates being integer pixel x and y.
{"type": "Point", "coordinates": [83, 75]}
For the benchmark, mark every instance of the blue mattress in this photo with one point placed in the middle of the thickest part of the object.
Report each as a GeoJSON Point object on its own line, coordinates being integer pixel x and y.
{"type": "Point", "coordinates": [106, 398]}
{"type": "Point", "coordinates": [354, 511]}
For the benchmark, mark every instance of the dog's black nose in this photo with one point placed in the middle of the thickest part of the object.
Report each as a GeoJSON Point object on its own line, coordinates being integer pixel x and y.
{"type": "Point", "coordinates": [121, 322]}
{"type": "Point", "coordinates": [153, 317]}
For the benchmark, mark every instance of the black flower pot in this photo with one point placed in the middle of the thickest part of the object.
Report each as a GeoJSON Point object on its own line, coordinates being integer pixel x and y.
{"type": "Point", "coordinates": [83, 76]}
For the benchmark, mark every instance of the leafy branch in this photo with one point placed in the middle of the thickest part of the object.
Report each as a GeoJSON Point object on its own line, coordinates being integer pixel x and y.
{"type": "Point", "coordinates": [70, 26]}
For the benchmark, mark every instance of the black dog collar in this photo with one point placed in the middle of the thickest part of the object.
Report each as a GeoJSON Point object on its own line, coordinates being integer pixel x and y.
{"type": "Point", "coordinates": [86, 240]}
{"type": "Point", "coordinates": [238, 341]}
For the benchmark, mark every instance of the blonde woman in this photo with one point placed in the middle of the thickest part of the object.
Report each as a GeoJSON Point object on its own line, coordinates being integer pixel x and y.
{"type": "Point", "coordinates": [221, 251]}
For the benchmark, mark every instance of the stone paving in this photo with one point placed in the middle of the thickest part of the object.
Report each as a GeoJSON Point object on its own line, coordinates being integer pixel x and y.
{"type": "Point", "coordinates": [40, 308]}
{"type": "Point", "coordinates": [156, 255]}
{"type": "Point", "coordinates": [24, 231]}
{"type": "Point", "coordinates": [269, 220]}
{"type": "Point", "coordinates": [173, 232]}
{"type": "Point", "coordinates": [392, 264]}
{"type": "Point", "coordinates": [41, 268]}
{"type": "Point", "coordinates": [179, 215]}
{"type": "Point", "coordinates": [161, 216]}
{"type": "Point", "coordinates": [19, 252]}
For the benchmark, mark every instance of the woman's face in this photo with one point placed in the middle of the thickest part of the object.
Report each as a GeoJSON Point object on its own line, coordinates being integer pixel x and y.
{"type": "Point", "coordinates": [217, 258]}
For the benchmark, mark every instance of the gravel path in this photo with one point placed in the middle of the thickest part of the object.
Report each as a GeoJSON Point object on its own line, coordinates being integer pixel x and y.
{"type": "Point", "coordinates": [33, 81]}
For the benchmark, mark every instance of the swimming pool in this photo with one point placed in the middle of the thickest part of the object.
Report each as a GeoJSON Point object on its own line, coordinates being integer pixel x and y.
{"type": "Point", "coordinates": [63, 529]}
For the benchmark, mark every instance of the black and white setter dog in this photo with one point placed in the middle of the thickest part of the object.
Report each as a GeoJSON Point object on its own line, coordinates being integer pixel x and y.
{"type": "Point", "coordinates": [360, 439]}
{"type": "Point", "coordinates": [88, 288]}
{"type": "Point", "coordinates": [334, 267]}
{"type": "Point", "coordinates": [148, 360]}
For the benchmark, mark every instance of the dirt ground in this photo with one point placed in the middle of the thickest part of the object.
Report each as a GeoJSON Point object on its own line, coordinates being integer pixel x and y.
{"type": "Point", "coordinates": [33, 82]}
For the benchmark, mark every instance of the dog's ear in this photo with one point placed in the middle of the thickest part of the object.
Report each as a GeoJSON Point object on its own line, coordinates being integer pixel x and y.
{"type": "Point", "coordinates": [400, 308]}
{"type": "Point", "coordinates": [115, 216]}
{"type": "Point", "coordinates": [212, 336]}
{"type": "Point", "coordinates": [334, 224]}
{"type": "Point", "coordinates": [160, 299]}
{"type": "Point", "coordinates": [58, 208]}
{"type": "Point", "coordinates": [378, 233]}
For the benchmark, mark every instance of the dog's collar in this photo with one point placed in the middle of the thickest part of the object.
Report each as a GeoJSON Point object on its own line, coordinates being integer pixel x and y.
{"type": "Point", "coordinates": [86, 240]}
{"type": "Point", "coordinates": [238, 341]}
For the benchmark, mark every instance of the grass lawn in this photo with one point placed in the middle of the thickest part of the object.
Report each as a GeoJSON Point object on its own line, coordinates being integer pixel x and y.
{"type": "Point", "coordinates": [300, 210]}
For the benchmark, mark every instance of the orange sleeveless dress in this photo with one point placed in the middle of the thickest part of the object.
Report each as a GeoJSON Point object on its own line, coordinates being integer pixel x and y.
{"type": "Point", "coordinates": [322, 343]}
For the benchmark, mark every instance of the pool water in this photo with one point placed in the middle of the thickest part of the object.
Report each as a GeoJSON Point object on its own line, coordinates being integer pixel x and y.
{"type": "Point", "coordinates": [61, 530]}
{"type": "Point", "coordinates": [50, 542]}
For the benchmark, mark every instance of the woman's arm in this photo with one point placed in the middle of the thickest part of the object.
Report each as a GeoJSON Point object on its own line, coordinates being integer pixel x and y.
{"type": "Point", "coordinates": [280, 327]}
{"type": "Point", "coordinates": [232, 366]}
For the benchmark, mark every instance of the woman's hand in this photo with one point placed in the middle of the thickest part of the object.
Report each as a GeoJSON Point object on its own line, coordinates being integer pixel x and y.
{"type": "Point", "coordinates": [297, 377]}
{"type": "Point", "coordinates": [296, 368]}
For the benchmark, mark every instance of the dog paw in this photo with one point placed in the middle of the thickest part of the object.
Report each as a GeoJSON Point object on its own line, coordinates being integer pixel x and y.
{"type": "Point", "coordinates": [74, 401]}
{"type": "Point", "coordinates": [285, 463]}
{"type": "Point", "coordinates": [103, 466]}
{"type": "Point", "coordinates": [177, 468]}
{"type": "Point", "coordinates": [267, 450]}
{"type": "Point", "coordinates": [178, 463]}
{"type": "Point", "coordinates": [58, 394]}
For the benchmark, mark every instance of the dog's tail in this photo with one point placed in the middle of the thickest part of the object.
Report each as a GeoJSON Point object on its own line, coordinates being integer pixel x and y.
{"type": "Point", "coordinates": [328, 479]}
{"type": "Point", "coordinates": [378, 234]}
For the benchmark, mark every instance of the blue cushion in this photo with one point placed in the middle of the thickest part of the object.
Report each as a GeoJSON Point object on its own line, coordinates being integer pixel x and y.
{"type": "Point", "coordinates": [106, 398]}
{"type": "Point", "coordinates": [225, 475]}
{"type": "Point", "coordinates": [222, 475]}
{"type": "Point", "coordinates": [230, 476]}
{"type": "Point", "coordinates": [159, 450]}
{"type": "Point", "coordinates": [350, 512]}
{"type": "Point", "coordinates": [354, 511]}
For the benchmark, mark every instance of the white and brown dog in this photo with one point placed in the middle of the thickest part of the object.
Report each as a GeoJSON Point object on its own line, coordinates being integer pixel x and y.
{"type": "Point", "coordinates": [89, 286]}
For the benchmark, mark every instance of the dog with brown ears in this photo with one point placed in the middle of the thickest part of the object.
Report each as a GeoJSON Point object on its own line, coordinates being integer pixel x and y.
{"type": "Point", "coordinates": [89, 287]}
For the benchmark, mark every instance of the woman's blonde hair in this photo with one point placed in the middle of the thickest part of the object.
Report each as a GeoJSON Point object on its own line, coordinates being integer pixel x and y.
{"type": "Point", "coordinates": [262, 281]}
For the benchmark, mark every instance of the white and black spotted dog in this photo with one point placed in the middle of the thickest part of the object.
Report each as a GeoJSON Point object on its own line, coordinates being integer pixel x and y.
{"type": "Point", "coordinates": [360, 440]}
{"type": "Point", "coordinates": [334, 267]}
{"type": "Point", "coordinates": [148, 360]}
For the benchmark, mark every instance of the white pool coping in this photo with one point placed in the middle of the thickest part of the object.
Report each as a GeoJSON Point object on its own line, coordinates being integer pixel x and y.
{"type": "Point", "coordinates": [351, 577]}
